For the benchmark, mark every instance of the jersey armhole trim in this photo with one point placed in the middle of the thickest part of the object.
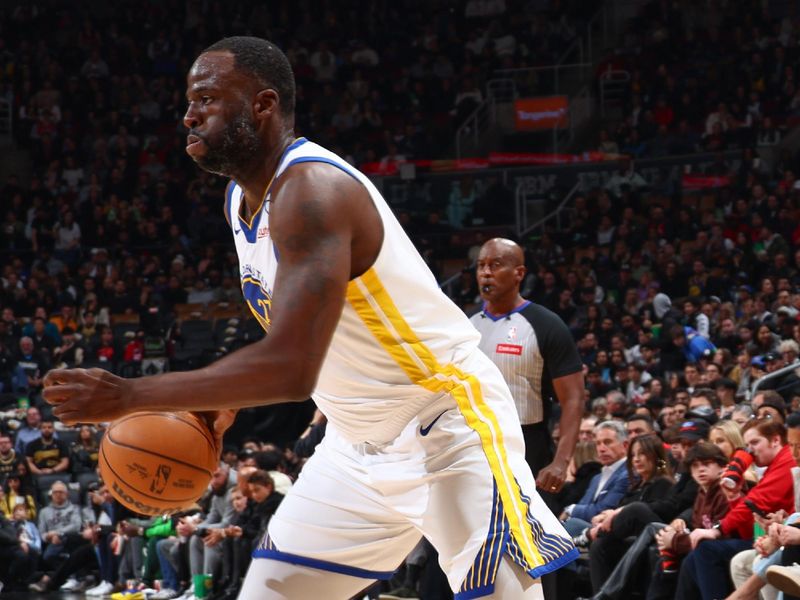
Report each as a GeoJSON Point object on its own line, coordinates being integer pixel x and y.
{"type": "Point", "coordinates": [324, 565]}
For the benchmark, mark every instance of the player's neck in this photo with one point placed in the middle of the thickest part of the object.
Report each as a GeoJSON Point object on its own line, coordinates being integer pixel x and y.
{"type": "Point", "coordinates": [503, 306]}
{"type": "Point", "coordinates": [256, 181]}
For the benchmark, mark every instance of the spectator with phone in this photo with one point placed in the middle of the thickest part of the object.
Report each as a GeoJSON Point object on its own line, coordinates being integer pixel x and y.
{"type": "Point", "coordinates": [704, 572]}
{"type": "Point", "coordinates": [750, 570]}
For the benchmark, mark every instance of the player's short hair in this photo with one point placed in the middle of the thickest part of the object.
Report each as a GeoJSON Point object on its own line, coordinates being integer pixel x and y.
{"type": "Point", "coordinates": [265, 61]}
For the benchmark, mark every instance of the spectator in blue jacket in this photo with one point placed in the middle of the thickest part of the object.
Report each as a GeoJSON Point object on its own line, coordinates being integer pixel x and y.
{"type": "Point", "coordinates": [693, 345]}
{"type": "Point", "coordinates": [607, 487]}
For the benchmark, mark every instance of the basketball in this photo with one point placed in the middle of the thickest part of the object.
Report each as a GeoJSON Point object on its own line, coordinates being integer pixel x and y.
{"type": "Point", "coordinates": [156, 463]}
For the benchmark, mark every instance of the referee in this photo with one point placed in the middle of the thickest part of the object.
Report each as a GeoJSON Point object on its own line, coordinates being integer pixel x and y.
{"type": "Point", "coordinates": [537, 356]}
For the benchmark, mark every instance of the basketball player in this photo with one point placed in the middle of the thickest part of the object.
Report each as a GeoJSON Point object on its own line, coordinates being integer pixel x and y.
{"type": "Point", "coordinates": [422, 437]}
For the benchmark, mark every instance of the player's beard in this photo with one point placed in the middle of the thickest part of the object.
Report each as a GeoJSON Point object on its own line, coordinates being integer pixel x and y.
{"type": "Point", "coordinates": [236, 149]}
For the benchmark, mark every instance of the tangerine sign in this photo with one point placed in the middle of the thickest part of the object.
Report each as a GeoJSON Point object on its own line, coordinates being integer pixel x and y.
{"type": "Point", "coordinates": [547, 112]}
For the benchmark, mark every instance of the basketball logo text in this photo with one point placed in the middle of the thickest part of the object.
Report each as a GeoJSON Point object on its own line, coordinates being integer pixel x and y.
{"type": "Point", "coordinates": [137, 469]}
{"type": "Point", "coordinates": [140, 506]}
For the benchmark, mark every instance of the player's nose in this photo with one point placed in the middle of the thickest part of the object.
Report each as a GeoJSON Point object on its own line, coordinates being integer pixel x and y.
{"type": "Point", "coordinates": [190, 119]}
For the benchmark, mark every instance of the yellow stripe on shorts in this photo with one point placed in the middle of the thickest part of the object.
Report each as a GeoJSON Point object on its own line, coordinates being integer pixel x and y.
{"type": "Point", "coordinates": [376, 309]}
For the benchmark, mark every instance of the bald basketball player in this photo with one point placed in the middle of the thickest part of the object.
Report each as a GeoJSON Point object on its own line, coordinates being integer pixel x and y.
{"type": "Point", "coordinates": [422, 438]}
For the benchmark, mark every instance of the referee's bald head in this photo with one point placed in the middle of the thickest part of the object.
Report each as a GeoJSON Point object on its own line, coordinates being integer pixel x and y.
{"type": "Point", "coordinates": [508, 249]}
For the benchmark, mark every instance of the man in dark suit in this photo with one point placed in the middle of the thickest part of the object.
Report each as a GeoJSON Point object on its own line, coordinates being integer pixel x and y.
{"type": "Point", "coordinates": [607, 487]}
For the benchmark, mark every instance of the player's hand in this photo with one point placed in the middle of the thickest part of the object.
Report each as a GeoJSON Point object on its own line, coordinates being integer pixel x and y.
{"type": "Point", "coordinates": [87, 395]}
{"type": "Point", "coordinates": [551, 478]}
{"type": "Point", "coordinates": [218, 421]}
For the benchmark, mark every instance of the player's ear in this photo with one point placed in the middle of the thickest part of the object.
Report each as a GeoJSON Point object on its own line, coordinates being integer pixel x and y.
{"type": "Point", "coordinates": [266, 103]}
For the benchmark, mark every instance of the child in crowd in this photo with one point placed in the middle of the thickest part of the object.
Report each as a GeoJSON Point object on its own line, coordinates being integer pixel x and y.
{"type": "Point", "coordinates": [706, 463]}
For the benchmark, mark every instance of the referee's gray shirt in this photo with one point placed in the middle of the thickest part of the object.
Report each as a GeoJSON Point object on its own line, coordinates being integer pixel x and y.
{"type": "Point", "coordinates": [531, 346]}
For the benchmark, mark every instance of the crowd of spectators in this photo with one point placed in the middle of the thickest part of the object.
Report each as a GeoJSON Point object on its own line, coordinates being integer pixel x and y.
{"type": "Point", "coordinates": [60, 528]}
{"type": "Point", "coordinates": [679, 303]}
{"type": "Point", "coordinates": [708, 76]}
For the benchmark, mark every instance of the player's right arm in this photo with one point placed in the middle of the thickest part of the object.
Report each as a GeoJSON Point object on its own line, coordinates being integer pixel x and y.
{"type": "Point", "coordinates": [326, 230]}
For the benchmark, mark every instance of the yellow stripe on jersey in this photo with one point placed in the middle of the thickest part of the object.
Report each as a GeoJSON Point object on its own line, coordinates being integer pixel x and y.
{"type": "Point", "coordinates": [377, 310]}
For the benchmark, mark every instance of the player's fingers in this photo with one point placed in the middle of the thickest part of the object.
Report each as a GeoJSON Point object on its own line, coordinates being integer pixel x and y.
{"type": "Point", "coordinates": [60, 393]}
{"type": "Point", "coordinates": [59, 376]}
{"type": "Point", "coordinates": [67, 415]}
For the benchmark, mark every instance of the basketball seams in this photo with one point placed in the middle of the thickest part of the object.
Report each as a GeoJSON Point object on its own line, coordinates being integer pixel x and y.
{"type": "Point", "coordinates": [150, 452]}
{"type": "Point", "coordinates": [176, 417]}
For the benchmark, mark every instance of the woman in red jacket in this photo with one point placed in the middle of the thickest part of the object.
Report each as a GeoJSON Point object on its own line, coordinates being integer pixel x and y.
{"type": "Point", "coordinates": [704, 572]}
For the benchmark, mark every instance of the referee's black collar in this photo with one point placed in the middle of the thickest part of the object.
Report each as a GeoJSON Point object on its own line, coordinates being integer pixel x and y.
{"type": "Point", "coordinates": [486, 314]}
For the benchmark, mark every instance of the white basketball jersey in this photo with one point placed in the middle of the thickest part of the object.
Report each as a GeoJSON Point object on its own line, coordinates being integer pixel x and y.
{"type": "Point", "coordinates": [400, 340]}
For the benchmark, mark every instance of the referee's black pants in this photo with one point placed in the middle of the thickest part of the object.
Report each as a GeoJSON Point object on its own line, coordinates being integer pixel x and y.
{"type": "Point", "coordinates": [538, 454]}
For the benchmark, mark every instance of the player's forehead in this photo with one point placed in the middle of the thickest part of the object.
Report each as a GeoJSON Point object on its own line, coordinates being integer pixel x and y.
{"type": "Point", "coordinates": [212, 70]}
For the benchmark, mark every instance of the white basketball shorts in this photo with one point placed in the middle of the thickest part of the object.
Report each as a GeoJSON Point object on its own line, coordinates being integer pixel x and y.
{"type": "Point", "coordinates": [456, 474]}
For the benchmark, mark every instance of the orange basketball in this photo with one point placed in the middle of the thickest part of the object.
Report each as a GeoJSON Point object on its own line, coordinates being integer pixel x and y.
{"type": "Point", "coordinates": [156, 463]}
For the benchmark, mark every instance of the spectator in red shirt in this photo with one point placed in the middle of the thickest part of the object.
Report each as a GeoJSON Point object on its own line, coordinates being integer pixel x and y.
{"type": "Point", "coordinates": [704, 572]}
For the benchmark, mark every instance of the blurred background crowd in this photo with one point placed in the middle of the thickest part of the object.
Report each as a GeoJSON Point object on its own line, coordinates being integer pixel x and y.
{"type": "Point", "coordinates": [114, 252]}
